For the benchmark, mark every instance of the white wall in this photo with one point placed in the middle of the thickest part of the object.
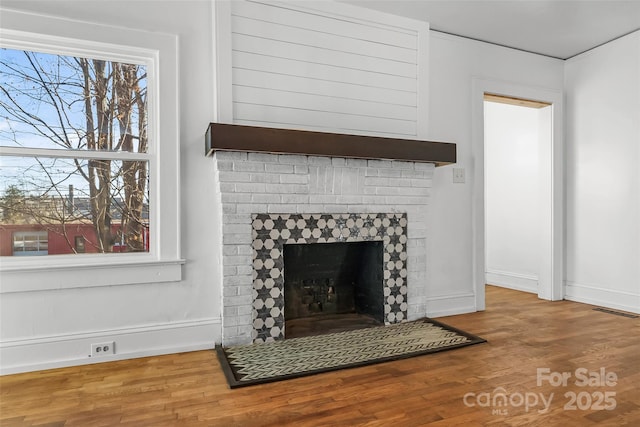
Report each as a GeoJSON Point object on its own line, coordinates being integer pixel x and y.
{"type": "Point", "coordinates": [603, 178]}
{"type": "Point", "coordinates": [54, 328]}
{"type": "Point", "coordinates": [454, 63]}
{"type": "Point", "coordinates": [512, 188]}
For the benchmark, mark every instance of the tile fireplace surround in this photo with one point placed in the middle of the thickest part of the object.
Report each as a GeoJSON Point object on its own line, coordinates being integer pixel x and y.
{"type": "Point", "coordinates": [252, 188]}
{"type": "Point", "coordinates": [272, 231]}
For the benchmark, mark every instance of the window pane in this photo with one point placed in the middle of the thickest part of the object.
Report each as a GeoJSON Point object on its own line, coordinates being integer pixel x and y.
{"type": "Point", "coordinates": [81, 206]}
{"type": "Point", "coordinates": [63, 102]}
{"type": "Point", "coordinates": [30, 243]}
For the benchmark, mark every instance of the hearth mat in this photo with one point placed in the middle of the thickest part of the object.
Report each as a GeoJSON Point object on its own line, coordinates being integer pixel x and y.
{"type": "Point", "coordinates": [251, 364]}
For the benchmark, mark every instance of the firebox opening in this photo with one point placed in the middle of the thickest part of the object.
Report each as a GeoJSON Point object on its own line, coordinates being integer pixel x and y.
{"type": "Point", "coordinates": [331, 287]}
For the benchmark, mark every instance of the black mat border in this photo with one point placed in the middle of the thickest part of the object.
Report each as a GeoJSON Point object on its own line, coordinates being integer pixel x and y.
{"type": "Point", "coordinates": [235, 383]}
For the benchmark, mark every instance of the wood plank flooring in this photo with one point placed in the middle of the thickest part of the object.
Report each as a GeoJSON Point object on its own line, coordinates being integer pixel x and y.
{"type": "Point", "coordinates": [523, 333]}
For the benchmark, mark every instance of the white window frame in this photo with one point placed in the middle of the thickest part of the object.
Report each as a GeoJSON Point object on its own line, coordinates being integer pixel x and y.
{"type": "Point", "coordinates": [159, 52]}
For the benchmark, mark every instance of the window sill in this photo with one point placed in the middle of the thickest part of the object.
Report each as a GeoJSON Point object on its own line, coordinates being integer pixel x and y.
{"type": "Point", "coordinates": [69, 275]}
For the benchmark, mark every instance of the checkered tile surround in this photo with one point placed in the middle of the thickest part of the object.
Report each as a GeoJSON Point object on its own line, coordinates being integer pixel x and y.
{"type": "Point", "coordinates": [272, 231]}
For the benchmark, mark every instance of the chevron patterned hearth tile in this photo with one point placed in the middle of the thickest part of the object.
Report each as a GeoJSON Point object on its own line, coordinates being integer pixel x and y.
{"type": "Point", "coordinates": [266, 362]}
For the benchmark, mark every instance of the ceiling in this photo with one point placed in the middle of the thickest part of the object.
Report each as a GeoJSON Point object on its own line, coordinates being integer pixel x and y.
{"type": "Point", "coordinates": [555, 28]}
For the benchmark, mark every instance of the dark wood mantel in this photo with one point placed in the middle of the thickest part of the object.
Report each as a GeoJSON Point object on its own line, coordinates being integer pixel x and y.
{"type": "Point", "coordinates": [227, 137]}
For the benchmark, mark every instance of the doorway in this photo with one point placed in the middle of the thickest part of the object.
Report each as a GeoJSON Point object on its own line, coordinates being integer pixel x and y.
{"type": "Point", "coordinates": [516, 131]}
{"type": "Point", "coordinates": [551, 205]}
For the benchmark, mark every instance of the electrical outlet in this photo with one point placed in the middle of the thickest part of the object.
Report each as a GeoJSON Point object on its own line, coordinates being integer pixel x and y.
{"type": "Point", "coordinates": [458, 175]}
{"type": "Point", "coordinates": [103, 349]}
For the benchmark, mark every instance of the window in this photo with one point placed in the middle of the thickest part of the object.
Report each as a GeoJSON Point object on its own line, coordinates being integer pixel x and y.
{"type": "Point", "coordinates": [27, 243]}
{"type": "Point", "coordinates": [88, 145]}
{"type": "Point", "coordinates": [82, 126]}
{"type": "Point", "coordinates": [79, 242]}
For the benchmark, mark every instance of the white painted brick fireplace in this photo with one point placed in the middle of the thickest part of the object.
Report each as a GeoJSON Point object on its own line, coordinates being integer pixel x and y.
{"type": "Point", "coordinates": [258, 183]}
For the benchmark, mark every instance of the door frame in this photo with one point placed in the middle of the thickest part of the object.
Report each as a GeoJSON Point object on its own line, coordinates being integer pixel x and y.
{"type": "Point", "coordinates": [551, 273]}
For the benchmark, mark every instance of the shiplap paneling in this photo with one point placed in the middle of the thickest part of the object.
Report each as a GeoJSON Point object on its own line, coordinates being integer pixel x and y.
{"type": "Point", "coordinates": [318, 71]}
{"type": "Point", "coordinates": [324, 56]}
{"type": "Point", "coordinates": [328, 120]}
{"type": "Point", "coordinates": [322, 102]}
{"type": "Point", "coordinates": [296, 67]}
{"type": "Point", "coordinates": [270, 30]}
{"type": "Point", "coordinates": [293, 15]}
{"type": "Point", "coordinates": [283, 82]}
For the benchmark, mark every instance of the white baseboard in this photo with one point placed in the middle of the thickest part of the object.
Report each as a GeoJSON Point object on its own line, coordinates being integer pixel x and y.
{"type": "Point", "coordinates": [35, 354]}
{"type": "Point", "coordinates": [449, 305]}
{"type": "Point", "coordinates": [515, 281]}
{"type": "Point", "coordinates": [602, 297]}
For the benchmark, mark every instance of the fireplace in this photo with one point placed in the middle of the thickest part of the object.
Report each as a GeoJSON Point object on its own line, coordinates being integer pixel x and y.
{"type": "Point", "coordinates": [331, 191]}
{"type": "Point", "coordinates": [382, 290]}
{"type": "Point", "coordinates": [332, 287]}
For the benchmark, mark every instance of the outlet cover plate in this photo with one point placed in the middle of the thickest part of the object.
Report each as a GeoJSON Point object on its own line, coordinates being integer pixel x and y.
{"type": "Point", "coordinates": [458, 175]}
{"type": "Point", "coordinates": [103, 349]}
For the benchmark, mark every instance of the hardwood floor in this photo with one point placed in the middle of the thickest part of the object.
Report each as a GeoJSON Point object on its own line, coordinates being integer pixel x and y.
{"type": "Point", "coordinates": [524, 334]}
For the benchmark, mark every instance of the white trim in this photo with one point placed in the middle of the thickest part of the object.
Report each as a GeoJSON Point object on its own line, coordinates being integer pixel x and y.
{"type": "Point", "coordinates": [511, 280]}
{"type": "Point", "coordinates": [450, 305]}
{"type": "Point", "coordinates": [56, 351]}
{"type": "Point", "coordinates": [73, 154]}
{"type": "Point", "coordinates": [50, 277]}
{"type": "Point", "coordinates": [160, 53]}
{"type": "Point", "coordinates": [33, 41]}
{"type": "Point", "coordinates": [602, 296]}
{"type": "Point", "coordinates": [223, 99]}
{"type": "Point", "coordinates": [550, 280]}
{"type": "Point", "coordinates": [422, 109]}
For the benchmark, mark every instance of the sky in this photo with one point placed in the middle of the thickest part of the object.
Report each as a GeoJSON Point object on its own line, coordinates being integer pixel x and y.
{"type": "Point", "coordinates": [18, 80]}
